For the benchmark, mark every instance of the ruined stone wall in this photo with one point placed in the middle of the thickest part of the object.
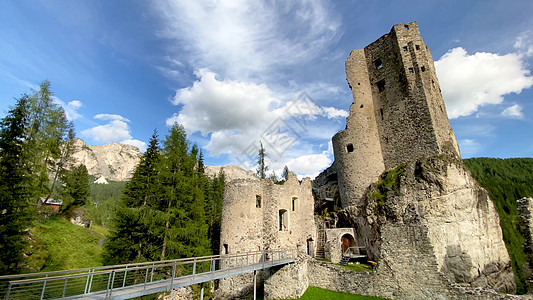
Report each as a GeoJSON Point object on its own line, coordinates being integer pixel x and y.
{"type": "Point", "coordinates": [398, 113]}
{"type": "Point", "coordinates": [332, 246]}
{"type": "Point", "coordinates": [247, 227]}
{"type": "Point", "coordinates": [358, 152]}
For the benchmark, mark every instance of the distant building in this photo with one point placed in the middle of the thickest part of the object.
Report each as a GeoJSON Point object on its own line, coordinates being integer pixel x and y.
{"type": "Point", "coordinates": [54, 204]}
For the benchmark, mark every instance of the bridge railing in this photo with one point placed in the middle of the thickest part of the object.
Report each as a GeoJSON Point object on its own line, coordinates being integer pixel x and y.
{"type": "Point", "coordinates": [62, 284]}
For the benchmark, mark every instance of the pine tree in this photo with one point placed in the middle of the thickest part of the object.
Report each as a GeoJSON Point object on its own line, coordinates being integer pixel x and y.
{"type": "Point", "coordinates": [48, 134]}
{"type": "Point", "coordinates": [15, 191]}
{"type": "Point", "coordinates": [76, 189]}
{"type": "Point", "coordinates": [262, 168]}
{"type": "Point", "coordinates": [285, 173]}
{"type": "Point", "coordinates": [131, 238]}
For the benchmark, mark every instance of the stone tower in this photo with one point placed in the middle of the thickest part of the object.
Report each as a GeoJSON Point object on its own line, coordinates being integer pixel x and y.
{"type": "Point", "coordinates": [397, 115]}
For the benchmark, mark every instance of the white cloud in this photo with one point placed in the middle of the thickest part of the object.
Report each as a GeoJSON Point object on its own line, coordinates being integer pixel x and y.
{"type": "Point", "coordinates": [309, 165]}
{"type": "Point", "coordinates": [524, 44]}
{"type": "Point", "coordinates": [235, 115]}
{"type": "Point", "coordinates": [471, 81]}
{"type": "Point", "coordinates": [212, 105]}
{"type": "Point", "coordinates": [514, 111]}
{"type": "Point", "coordinates": [469, 147]}
{"type": "Point", "coordinates": [247, 37]}
{"type": "Point", "coordinates": [116, 130]}
{"type": "Point", "coordinates": [139, 144]}
{"type": "Point", "coordinates": [111, 117]}
{"type": "Point", "coordinates": [70, 108]}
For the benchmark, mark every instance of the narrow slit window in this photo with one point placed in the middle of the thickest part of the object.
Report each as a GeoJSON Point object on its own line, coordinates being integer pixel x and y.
{"type": "Point", "coordinates": [283, 220]}
{"type": "Point", "coordinates": [294, 203]}
{"type": "Point", "coordinates": [423, 69]}
{"type": "Point", "coordinates": [381, 85]}
{"type": "Point", "coordinates": [404, 48]}
{"type": "Point", "coordinates": [226, 251]}
{"type": "Point", "coordinates": [381, 113]}
{"type": "Point", "coordinates": [258, 201]}
{"type": "Point", "coordinates": [411, 71]}
{"type": "Point", "coordinates": [349, 148]}
{"type": "Point", "coordinates": [417, 47]}
{"type": "Point", "coordinates": [378, 64]}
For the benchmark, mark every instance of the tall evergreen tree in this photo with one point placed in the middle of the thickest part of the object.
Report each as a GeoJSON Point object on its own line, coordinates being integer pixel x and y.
{"type": "Point", "coordinates": [15, 190]}
{"type": "Point", "coordinates": [168, 206]}
{"type": "Point", "coordinates": [262, 167]}
{"type": "Point", "coordinates": [285, 173]}
{"type": "Point", "coordinates": [48, 134]}
{"type": "Point", "coordinates": [130, 238]}
{"type": "Point", "coordinates": [76, 188]}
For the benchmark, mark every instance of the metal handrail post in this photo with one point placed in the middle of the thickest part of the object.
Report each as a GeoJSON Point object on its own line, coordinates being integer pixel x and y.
{"type": "Point", "coordinates": [91, 282]}
{"type": "Point", "coordinates": [44, 287]}
{"type": "Point", "coordinates": [8, 291]}
{"type": "Point", "coordinates": [65, 287]}
{"type": "Point", "coordinates": [86, 282]}
{"type": "Point", "coordinates": [125, 275]}
{"type": "Point", "coordinates": [173, 274]}
{"type": "Point", "coordinates": [247, 260]}
{"type": "Point", "coordinates": [112, 284]}
{"type": "Point", "coordinates": [194, 267]}
{"type": "Point", "coordinates": [108, 282]}
{"type": "Point", "coordinates": [152, 275]}
{"type": "Point", "coordinates": [145, 279]}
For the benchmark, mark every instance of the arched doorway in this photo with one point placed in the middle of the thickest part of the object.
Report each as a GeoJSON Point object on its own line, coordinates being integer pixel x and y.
{"type": "Point", "coordinates": [347, 241]}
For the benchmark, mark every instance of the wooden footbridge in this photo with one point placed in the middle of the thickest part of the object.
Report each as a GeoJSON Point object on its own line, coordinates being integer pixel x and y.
{"type": "Point", "coordinates": [140, 279]}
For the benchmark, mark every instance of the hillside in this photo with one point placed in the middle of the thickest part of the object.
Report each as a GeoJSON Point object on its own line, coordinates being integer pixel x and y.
{"type": "Point", "coordinates": [507, 180]}
{"type": "Point", "coordinates": [57, 244]}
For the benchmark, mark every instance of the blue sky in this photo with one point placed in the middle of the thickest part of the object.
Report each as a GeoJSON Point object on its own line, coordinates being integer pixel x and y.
{"type": "Point", "coordinates": [237, 72]}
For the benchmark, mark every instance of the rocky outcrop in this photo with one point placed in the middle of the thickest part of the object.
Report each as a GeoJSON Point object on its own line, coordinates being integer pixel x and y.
{"type": "Point", "coordinates": [113, 161]}
{"type": "Point", "coordinates": [429, 222]}
{"type": "Point", "coordinates": [231, 172]}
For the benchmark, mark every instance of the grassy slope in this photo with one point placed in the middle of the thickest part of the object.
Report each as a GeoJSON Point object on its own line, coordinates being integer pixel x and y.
{"type": "Point", "coordinates": [57, 244]}
{"type": "Point", "coordinates": [507, 180]}
{"type": "Point", "coordinates": [315, 293]}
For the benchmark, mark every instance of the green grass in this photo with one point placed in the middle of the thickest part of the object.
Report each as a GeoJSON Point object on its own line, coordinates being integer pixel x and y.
{"type": "Point", "coordinates": [57, 244]}
{"type": "Point", "coordinates": [315, 293]}
{"type": "Point", "coordinates": [358, 267]}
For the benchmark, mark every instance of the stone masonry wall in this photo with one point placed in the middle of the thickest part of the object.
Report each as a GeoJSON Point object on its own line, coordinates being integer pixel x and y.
{"type": "Point", "coordinates": [247, 227]}
{"type": "Point", "coordinates": [332, 247]}
{"type": "Point", "coordinates": [398, 113]}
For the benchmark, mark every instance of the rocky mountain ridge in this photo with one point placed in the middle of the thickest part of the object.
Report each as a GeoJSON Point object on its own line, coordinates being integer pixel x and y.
{"type": "Point", "coordinates": [117, 162]}
{"type": "Point", "coordinates": [113, 161]}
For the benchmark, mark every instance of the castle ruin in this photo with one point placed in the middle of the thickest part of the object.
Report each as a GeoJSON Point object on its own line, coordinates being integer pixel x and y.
{"type": "Point", "coordinates": [404, 194]}
{"type": "Point", "coordinates": [397, 115]}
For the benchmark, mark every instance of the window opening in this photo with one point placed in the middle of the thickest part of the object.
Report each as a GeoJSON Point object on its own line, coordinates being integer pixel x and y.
{"type": "Point", "coordinates": [378, 64]}
{"type": "Point", "coordinates": [405, 27]}
{"type": "Point", "coordinates": [226, 251]}
{"type": "Point", "coordinates": [411, 70]}
{"type": "Point", "coordinates": [258, 201]}
{"type": "Point", "coordinates": [381, 113]}
{"type": "Point", "coordinates": [294, 203]}
{"type": "Point", "coordinates": [349, 148]}
{"type": "Point", "coordinates": [417, 47]}
{"type": "Point", "coordinates": [381, 85]}
{"type": "Point", "coordinates": [423, 68]}
{"type": "Point", "coordinates": [283, 220]}
{"type": "Point", "coordinates": [404, 48]}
